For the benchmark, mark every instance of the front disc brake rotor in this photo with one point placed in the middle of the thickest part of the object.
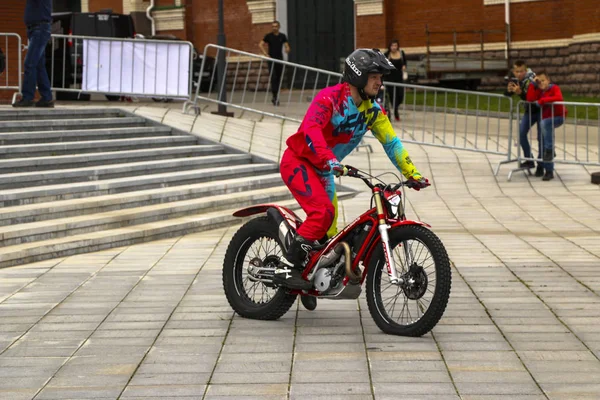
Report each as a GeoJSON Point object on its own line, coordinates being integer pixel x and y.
{"type": "Point", "coordinates": [415, 282]}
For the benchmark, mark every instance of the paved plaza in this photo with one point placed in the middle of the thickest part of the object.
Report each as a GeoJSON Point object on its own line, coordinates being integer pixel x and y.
{"type": "Point", "coordinates": [151, 320]}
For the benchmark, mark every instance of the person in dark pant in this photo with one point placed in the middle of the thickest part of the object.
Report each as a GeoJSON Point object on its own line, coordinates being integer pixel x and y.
{"type": "Point", "coordinates": [276, 41]}
{"type": "Point", "coordinates": [38, 17]}
{"type": "Point", "coordinates": [519, 85]}
{"type": "Point", "coordinates": [398, 59]}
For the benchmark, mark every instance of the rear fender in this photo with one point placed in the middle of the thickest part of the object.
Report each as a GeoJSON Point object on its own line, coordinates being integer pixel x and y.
{"type": "Point", "coordinates": [290, 217]}
{"type": "Point", "coordinates": [377, 240]}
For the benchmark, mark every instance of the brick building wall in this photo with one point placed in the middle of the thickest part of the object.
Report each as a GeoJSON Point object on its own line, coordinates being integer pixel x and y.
{"type": "Point", "coordinates": [366, 36]}
{"type": "Point", "coordinates": [241, 33]}
{"type": "Point", "coordinates": [97, 5]}
{"type": "Point", "coordinates": [530, 21]}
{"type": "Point", "coordinates": [561, 36]}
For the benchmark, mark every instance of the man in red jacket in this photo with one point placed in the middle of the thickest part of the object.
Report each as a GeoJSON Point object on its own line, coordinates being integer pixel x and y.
{"type": "Point", "coordinates": [545, 93]}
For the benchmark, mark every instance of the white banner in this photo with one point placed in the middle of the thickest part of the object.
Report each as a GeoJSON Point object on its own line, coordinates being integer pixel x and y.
{"type": "Point", "coordinates": [138, 68]}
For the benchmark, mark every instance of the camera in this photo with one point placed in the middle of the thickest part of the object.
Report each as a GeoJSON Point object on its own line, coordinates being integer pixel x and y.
{"type": "Point", "coordinates": [510, 79]}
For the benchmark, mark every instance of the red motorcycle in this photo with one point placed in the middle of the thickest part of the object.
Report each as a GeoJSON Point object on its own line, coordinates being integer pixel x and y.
{"type": "Point", "coordinates": [405, 264]}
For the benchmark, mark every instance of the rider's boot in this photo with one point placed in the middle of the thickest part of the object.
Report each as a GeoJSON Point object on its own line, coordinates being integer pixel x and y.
{"type": "Point", "coordinates": [289, 273]}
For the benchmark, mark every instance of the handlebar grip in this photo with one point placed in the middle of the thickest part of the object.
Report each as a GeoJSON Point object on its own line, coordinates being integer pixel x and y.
{"type": "Point", "coordinates": [351, 170]}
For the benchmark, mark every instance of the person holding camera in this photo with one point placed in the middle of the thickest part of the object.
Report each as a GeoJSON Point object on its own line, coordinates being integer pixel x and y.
{"type": "Point", "coordinates": [544, 94]}
{"type": "Point", "coordinates": [519, 85]}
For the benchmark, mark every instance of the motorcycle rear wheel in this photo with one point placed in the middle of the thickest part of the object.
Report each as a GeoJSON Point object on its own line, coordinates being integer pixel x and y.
{"type": "Point", "coordinates": [257, 240]}
{"type": "Point", "coordinates": [416, 306]}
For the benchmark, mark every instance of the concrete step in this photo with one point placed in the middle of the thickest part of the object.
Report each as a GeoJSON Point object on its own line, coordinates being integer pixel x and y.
{"type": "Point", "coordinates": [41, 194]}
{"type": "Point", "coordinates": [93, 146]}
{"type": "Point", "coordinates": [100, 240]}
{"type": "Point", "coordinates": [112, 157]}
{"type": "Point", "coordinates": [12, 138]}
{"type": "Point", "coordinates": [76, 207]}
{"type": "Point", "coordinates": [56, 228]}
{"type": "Point", "coordinates": [70, 123]}
{"type": "Point", "coordinates": [58, 113]}
{"type": "Point", "coordinates": [99, 173]}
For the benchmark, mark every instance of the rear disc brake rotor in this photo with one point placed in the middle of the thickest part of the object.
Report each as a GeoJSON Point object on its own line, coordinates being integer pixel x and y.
{"type": "Point", "coordinates": [263, 269]}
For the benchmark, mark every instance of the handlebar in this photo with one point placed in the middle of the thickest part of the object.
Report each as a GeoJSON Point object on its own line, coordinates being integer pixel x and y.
{"type": "Point", "coordinates": [356, 173]}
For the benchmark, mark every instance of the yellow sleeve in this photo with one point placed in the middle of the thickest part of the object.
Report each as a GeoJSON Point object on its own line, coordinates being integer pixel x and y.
{"type": "Point", "coordinates": [384, 132]}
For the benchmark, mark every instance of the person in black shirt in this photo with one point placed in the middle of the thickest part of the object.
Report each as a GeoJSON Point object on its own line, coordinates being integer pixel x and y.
{"type": "Point", "coordinates": [276, 41]}
{"type": "Point", "coordinates": [38, 17]}
{"type": "Point", "coordinates": [398, 58]}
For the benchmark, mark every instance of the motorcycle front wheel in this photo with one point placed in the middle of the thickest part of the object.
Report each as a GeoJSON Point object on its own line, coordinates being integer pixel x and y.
{"type": "Point", "coordinates": [415, 306]}
{"type": "Point", "coordinates": [256, 243]}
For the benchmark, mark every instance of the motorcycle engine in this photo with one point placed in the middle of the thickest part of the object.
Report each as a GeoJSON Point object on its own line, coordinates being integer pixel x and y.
{"type": "Point", "coordinates": [322, 279]}
{"type": "Point", "coordinates": [329, 277]}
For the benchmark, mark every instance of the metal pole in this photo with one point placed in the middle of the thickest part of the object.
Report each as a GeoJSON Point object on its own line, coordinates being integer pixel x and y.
{"type": "Point", "coordinates": [221, 40]}
{"type": "Point", "coordinates": [482, 50]}
{"type": "Point", "coordinates": [428, 50]}
{"type": "Point", "coordinates": [507, 30]}
{"type": "Point", "coordinates": [454, 42]}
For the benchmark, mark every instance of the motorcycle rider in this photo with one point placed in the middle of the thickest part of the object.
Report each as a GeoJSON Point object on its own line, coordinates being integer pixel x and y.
{"type": "Point", "coordinates": [335, 123]}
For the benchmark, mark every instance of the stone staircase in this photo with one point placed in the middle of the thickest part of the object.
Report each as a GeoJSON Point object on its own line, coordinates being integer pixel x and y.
{"type": "Point", "coordinates": [86, 180]}
{"type": "Point", "coordinates": [251, 75]}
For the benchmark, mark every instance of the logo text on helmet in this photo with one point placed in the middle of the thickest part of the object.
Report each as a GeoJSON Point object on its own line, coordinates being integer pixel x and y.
{"type": "Point", "coordinates": [353, 67]}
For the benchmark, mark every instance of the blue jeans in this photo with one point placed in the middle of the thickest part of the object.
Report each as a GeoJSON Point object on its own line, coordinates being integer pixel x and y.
{"type": "Point", "coordinates": [527, 122]}
{"type": "Point", "coordinates": [548, 126]}
{"type": "Point", "coordinates": [35, 63]}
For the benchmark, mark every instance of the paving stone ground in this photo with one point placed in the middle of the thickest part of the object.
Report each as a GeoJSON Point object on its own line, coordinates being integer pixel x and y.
{"type": "Point", "coordinates": [151, 320]}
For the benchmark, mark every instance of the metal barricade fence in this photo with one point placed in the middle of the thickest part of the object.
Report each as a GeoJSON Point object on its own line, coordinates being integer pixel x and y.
{"type": "Point", "coordinates": [260, 84]}
{"type": "Point", "coordinates": [11, 79]}
{"type": "Point", "coordinates": [571, 140]}
{"type": "Point", "coordinates": [117, 66]}
{"type": "Point", "coordinates": [456, 119]}
{"type": "Point", "coordinates": [449, 118]}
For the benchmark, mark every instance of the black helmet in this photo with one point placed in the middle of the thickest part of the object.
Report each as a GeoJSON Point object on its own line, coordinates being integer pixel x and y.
{"type": "Point", "coordinates": [362, 62]}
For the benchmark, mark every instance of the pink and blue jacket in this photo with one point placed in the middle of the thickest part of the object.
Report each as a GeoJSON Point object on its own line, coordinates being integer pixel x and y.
{"type": "Point", "coordinates": [334, 126]}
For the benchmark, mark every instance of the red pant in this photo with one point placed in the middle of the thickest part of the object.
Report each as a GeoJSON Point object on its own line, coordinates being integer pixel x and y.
{"type": "Point", "coordinates": [314, 192]}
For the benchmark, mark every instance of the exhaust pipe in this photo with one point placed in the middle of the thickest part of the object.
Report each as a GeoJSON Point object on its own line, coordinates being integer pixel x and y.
{"type": "Point", "coordinates": [355, 277]}
{"type": "Point", "coordinates": [329, 258]}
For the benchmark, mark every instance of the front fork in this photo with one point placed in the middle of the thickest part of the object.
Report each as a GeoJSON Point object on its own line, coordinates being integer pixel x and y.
{"type": "Point", "coordinates": [385, 241]}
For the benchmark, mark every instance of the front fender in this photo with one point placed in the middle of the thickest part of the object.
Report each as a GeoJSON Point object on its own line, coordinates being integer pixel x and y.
{"type": "Point", "coordinates": [377, 240]}
{"type": "Point", "coordinates": [285, 212]}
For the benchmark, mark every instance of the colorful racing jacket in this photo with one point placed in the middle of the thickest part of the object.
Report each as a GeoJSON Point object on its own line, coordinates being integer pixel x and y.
{"type": "Point", "coordinates": [334, 126]}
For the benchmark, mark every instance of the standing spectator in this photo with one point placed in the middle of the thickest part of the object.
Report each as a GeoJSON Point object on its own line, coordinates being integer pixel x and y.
{"type": "Point", "coordinates": [38, 17]}
{"type": "Point", "coordinates": [519, 85]}
{"type": "Point", "coordinates": [398, 58]}
{"type": "Point", "coordinates": [544, 93]}
{"type": "Point", "coordinates": [276, 40]}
